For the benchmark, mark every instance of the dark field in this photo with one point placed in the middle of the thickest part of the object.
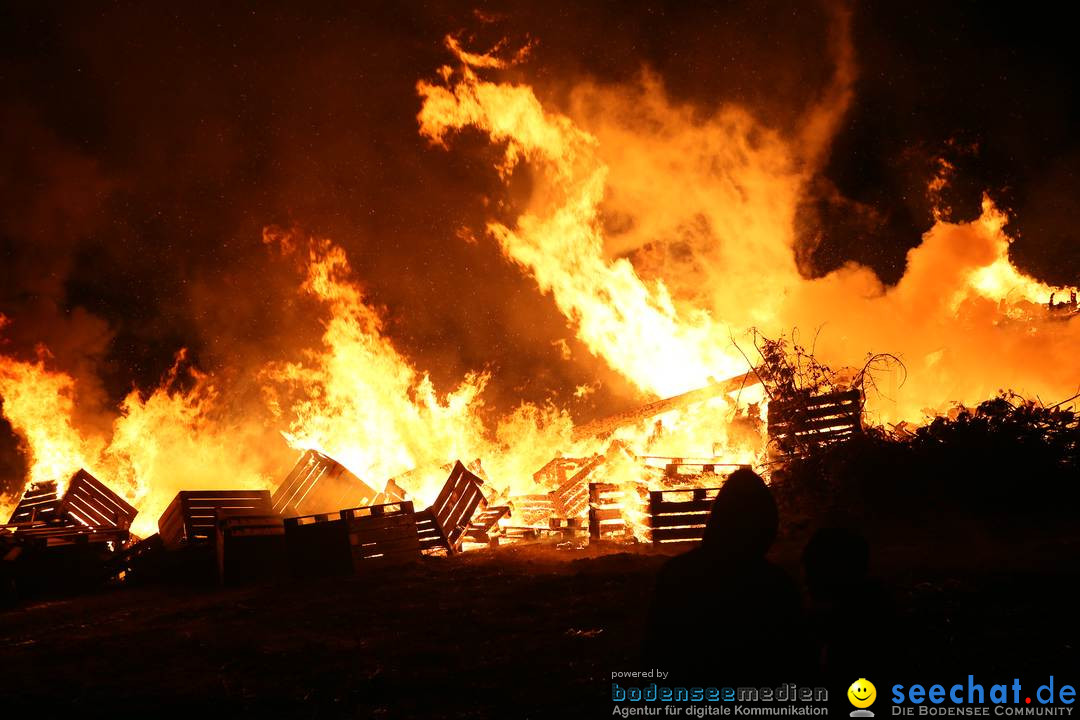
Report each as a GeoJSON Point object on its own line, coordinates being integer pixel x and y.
{"type": "Point", "coordinates": [517, 632]}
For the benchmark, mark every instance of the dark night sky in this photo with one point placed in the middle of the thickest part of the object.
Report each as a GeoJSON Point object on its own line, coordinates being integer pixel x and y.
{"type": "Point", "coordinates": [143, 148]}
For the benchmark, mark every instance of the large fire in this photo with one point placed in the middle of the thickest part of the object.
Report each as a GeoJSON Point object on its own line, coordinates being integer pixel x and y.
{"type": "Point", "coordinates": [662, 235]}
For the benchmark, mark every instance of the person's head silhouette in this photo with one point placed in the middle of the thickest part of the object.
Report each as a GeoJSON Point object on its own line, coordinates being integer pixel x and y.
{"type": "Point", "coordinates": [743, 521]}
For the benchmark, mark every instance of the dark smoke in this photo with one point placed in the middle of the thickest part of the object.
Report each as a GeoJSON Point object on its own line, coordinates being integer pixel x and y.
{"type": "Point", "coordinates": [993, 91]}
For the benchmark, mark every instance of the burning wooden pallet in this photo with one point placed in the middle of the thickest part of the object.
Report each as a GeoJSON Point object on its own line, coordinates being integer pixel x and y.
{"type": "Point", "coordinates": [191, 517]}
{"type": "Point", "coordinates": [484, 529]}
{"type": "Point", "coordinates": [799, 425]}
{"type": "Point", "coordinates": [318, 545]}
{"type": "Point", "coordinates": [532, 510]}
{"type": "Point", "coordinates": [249, 547]}
{"type": "Point", "coordinates": [67, 542]}
{"type": "Point", "coordinates": [70, 542]}
{"type": "Point", "coordinates": [38, 505]}
{"type": "Point", "coordinates": [445, 522]}
{"type": "Point", "coordinates": [320, 484]}
{"type": "Point", "coordinates": [571, 498]}
{"type": "Point", "coordinates": [90, 503]}
{"type": "Point", "coordinates": [679, 516]}
{"type": "Point", "coordinates": [87, 503]}
{"type": "Point", "coordinates": [606, 520]}
{"type": "Point", "coordinates": [382, 535]}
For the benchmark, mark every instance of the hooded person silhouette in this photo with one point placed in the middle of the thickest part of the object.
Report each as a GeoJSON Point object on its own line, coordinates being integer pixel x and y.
{"type": "Point", "coordinates": [721, 612]}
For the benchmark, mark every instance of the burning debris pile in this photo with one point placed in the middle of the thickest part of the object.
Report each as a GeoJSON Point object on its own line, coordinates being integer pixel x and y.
{"type": "Point", "coordinates": [324, 519]}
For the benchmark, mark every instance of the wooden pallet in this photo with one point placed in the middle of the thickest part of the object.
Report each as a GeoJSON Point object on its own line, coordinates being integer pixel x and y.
{"type": "Point", "coordinates": [484, 528]}
{"type": "Point", "coordinates": [571, 498]}
{"type": "Point", "coordinates": [318, 545]}
{"type": "Point", "coordinates": [443, 525]}
{"type": "Point", "coordinates": [90, 503]}
{"type": "Point", "coordinates": [320, 484]}
{"type": "Point", "coordinates": [532, 510]}
{"type": "Point", "coordinates": [606, 520]}
{"type": "Point", "coordinates": [679, 516]}
{"type": "Point", "coordinates": [802, 424]}
{"type": "Point", "coordinates": [38, 504]}
{"type": "Point", "coordinates": [605, 511]}
{"type": "Point", "coordinates": [382, 535]}
{"type": "Point", "coordinates": [250, 548]}
{"type": "Point", "coordinates": [191, 517]}
{"type": "Point", "coordinates": [89, 513]}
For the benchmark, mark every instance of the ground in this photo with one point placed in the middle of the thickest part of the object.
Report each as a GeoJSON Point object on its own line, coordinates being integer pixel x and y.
{"type": "Point", "coordinates": [517, 632]}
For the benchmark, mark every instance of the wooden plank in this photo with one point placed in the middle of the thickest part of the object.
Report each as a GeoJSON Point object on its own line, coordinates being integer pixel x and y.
{"type": "Point", "coordinates": [681, 533]}
{"type": "Point", "coordinates": [368, 536]}
{"type": "Point", "coordinates": [843, 397]}
{"type": "Point", "coordinates": [817, 438]}
{"type": "Point", "coordinates": [602, 514]}
{"type": "Point", "coordinates": [387, 546]}
{"type": "Point", "coordinates": [609, 424]}
{"type": "Point", "coordinates": [679, 519]}
{"type": "Point", "coordinates": [386, 510]}
{"type": "Point", "coordinates": [824, 423]}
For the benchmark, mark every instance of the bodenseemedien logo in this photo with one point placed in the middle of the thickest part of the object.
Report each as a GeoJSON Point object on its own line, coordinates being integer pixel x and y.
{"type": "Point", "coordinates": [862, 694]}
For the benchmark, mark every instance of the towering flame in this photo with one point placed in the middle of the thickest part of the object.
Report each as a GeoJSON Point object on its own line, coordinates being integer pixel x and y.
{"type": "Point", "coordinates": [40, 404]}
{"type": "Point", "coordinates": [662, 232]}
{"type": "Point", "coordinates": [634, 325]}
{"type": "Point", "coordinates": [357, 398]}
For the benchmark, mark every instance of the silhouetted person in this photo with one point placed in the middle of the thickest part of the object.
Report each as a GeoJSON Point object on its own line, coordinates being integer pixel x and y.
{"type": "Point", "coordinates": [851, 615]}
{"type": "Point", "coordinates": [722, 613]}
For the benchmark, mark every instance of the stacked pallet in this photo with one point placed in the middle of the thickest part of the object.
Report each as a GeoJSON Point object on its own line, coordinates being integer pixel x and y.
{"type": "Point", "coordinates": [382, 535]}
{"type": "Point", "coordinates": [192, 516]}
{"type": "Point", "coordinates": [800, 425]}
{"type": "Point", "coordinates": [65, 542]}
{"type": "Point", "coordinates": [606, 520]}
{"type": "Point", "coordinates": [679, 516]}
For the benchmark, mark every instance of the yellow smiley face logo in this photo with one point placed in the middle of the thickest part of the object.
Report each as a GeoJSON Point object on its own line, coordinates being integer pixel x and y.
{"type": "Point", "coordinates": [862, 693]}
